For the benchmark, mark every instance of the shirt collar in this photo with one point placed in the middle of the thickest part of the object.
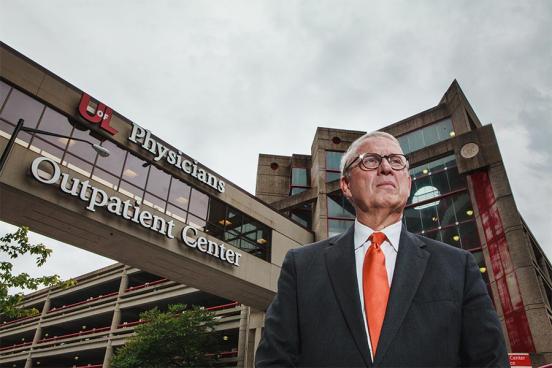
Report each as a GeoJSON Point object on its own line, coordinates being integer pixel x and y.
{"type": "Point", "coordinates": [392, 232]}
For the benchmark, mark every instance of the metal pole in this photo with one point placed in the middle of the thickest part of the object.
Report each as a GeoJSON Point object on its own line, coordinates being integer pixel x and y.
{"type": "Point", "coordinates": [10, 144]}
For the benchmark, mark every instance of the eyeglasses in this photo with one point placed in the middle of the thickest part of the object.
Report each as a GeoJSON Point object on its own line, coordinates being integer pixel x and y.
{"type": "Point", "coordinates": [371, 161]}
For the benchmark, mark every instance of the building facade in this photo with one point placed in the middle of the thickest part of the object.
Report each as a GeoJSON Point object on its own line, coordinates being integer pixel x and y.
{"type": "Point", "coordinates": [191, 236]}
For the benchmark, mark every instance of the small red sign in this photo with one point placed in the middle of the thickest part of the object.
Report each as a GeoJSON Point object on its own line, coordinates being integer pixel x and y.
{"type": "Point", "coordinates": [520, 360]}
{"type": "Point", "coordinates": [102, 114]}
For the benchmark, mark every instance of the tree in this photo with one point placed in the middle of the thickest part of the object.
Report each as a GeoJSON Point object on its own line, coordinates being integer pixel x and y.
{"type": "Point", "coordinates": [14, 245]}
{"type": "Point", "coordinates": [180, 337]}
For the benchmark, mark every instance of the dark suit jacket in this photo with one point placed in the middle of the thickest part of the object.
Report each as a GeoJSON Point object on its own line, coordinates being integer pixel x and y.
{"type": "Point", "coordinates": [439, 313]}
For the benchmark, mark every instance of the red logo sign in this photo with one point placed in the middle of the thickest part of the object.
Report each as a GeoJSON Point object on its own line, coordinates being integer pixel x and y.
{"type": "Point", "coordinates": [102, 114]}
{"type": "Point", "coordinates": [520, 360]}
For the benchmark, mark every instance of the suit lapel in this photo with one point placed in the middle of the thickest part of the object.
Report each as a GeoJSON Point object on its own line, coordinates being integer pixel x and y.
{"type": "Point", "coordinates": [340, 262]}
{"type": "Point", "coordinates": [409, 270]}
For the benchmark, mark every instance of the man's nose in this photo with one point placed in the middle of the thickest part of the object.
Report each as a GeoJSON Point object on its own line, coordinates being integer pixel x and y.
{"type": "Point", "coordinates": [385, 167]}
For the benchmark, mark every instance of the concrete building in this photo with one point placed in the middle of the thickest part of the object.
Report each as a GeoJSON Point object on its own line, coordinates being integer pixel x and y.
{"type": "Point", "coordinates": [83, 325]}
{"type": "Point", "coordinates": [460, 195]}
{"type": "Point", "coordinates": [151, 206]}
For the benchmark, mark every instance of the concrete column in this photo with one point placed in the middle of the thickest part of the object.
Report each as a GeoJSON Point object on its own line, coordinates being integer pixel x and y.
{"type": "Point", "coordinates": [255, 329]}
{"type": "Point", "coordinates": [116, 320]}
{"type": "Point", "coordinates": [38, 332]}
{"type": "Point", "coordinates": [242, 337]}
{"type": "Point", "coordinates": [108, 355]}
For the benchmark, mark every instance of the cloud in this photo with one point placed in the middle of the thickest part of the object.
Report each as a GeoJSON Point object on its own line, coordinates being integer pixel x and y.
{"type": "Point", "coordinates": [227, 82]}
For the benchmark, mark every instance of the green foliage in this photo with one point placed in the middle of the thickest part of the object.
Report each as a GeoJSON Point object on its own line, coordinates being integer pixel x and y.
{"type": "Point", "coordinates": [14, 245]}
{"type": "Point", "coordinates": [179, 337]}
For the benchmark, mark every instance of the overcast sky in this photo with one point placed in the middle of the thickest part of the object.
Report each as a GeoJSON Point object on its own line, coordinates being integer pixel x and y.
{"type": "Point", "coordinates": [224, 81]}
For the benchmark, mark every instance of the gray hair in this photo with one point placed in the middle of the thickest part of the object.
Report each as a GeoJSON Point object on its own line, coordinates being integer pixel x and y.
{"type": "Point", "coordinates": [352, 151]}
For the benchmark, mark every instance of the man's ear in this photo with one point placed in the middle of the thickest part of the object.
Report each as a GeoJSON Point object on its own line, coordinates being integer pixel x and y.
{"type": "Point", "coordinates": [344, 185]}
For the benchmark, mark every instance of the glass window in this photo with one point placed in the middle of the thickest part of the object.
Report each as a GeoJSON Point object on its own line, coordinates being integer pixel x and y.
{"type": "Point", "coordinates": [179, 194]}
{"type": "Point", "coordinates": [426, 136]}
{"type": "Point", "coordinates": [196, 222]}
{"type": "Point", "coordinates": [131, 190]}
{"type": "Point", "coordinates": [333, 160]}
{"type": "Point", "coordinates": [336, 227]}
{"type": "Point", "coordinates": [154, 201]}
{"type": "Point", "coordinates": [444, 129]}
{"type": "Point", "coordinates": [199, 204]}
{"type": "Point", "coordinates": [105, 178]}
{"type": "Point", "coordinates": [83, 150]}
{"type": "Point", "coordinates": [115, 161]}
{"type": "Point", "coordinates": [339, 206]}
{"type": "Point", "coordinates": [299, 177]}
{"type": "Point", "coordinates": [20, 106]}
{"type": "Point", "coordinates": [331, 176]}
{"type": "Point", "coordinates": [480, 260]}
{"type": "Point", "coordinates": [440, 181]}
{"type": "Point", "coordinates": [403, 142]}
{"type": "Point", "coordinates": [158, 182]}
{"type": "Point", "coordinates": [75, 163]}
{"type": "Point", "coordinates": [176, 212]}
{"type": "Point", "coordinates": [6, 128]}
{"type": "Point", "coordinates": [52, 121]}
{"type": "Point", "coordinates": [46, 148]}
{"type": "Point", "coordinates": [297, 190]}
{"type": "Point", "coordinates": [446, 211]}
{"type": "Point", "coordinates": [434, 234]}
{"type": "Point", "coordinates": [451, 235]}
{"type": "Point", "coordinates": [412, 220]}
{"type": "Point", "coordinates": [455, 180]}
{"type": "Point", "coordinates": [470, 238]}
{"type": "Point", "coordinates": [302, 214]}
{"type": "Point", "coordinates": [429, 216]}
{"type": "Point", "coordinates": [463, 207]}
{"type": "Point", "coordinates": [4, 90]}
{"type": "Point", "coordinates": [416, 140]}
{"type": "Point", "coordinates": [135, 171]}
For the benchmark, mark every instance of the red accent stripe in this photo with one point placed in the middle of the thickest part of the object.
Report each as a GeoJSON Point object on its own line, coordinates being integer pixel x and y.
{"type": "Point", "coordinates": [507, 283]}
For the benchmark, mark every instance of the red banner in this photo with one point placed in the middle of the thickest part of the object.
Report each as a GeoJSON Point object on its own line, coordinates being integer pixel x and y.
{"type": "Point", "coordinates": [507, 284]}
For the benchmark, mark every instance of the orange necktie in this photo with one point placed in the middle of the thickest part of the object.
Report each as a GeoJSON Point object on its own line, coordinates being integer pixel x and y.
{"type": "Point", "coordinates": [375, 287]}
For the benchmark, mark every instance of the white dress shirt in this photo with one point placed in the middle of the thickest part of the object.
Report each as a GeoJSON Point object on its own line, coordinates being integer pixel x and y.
{"type": "Point", "coordinates": [390, 247]}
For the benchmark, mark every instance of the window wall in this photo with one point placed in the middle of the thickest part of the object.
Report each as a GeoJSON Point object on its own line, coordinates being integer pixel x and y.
{"type": "Point", "coordinates": [426, 136]}
{"type": "Point", "coordinates": [341, 213]}
{"type": "Point", "coordinates": [333, 160]}
{"type": "Point", "coordinates": [129, 174]}
{"type": "Point", "coordinates": [300, 180]}
{"type": "Point", "coordinates": [439, 206]}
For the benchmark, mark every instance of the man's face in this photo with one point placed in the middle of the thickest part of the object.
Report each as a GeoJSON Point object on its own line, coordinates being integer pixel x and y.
{"type": "Point", "coordinates": [381, 188]}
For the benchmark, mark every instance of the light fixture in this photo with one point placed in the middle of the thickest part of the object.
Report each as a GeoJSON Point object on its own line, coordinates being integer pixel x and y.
{"type": "Point", "coordinates": [130, 173]}
{"type": "Point", "coordinates": [182, 200]}
{"type": "Point", "coordinates": [225, 222]}
{"type": "Point", "coordinates": [262, 241]}
{"type": "Point", "coordinates": [83, 327]}
{"type": "Point", "coordinates": [469, 212]}
{"type": "Point", "coordinates": [456, 237]}
{"type": "Point", "coordinates": [225, 338]}
{"type": "Point", "coordinates": [434, 218]}
{"type": "Point", "coordinates": [102, 151]}
{"type": "Point", "coordinates": [77, 357]}
{"type": "Point", "coordinates": [452, 134]}
{"type": "Point", "coordinates": [482, 269]}
{"type": "Point", "coordinates": [425, 171]}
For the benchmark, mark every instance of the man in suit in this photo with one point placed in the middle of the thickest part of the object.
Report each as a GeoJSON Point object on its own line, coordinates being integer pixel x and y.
{"type": "Point", "coordinates": [378, 295]}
